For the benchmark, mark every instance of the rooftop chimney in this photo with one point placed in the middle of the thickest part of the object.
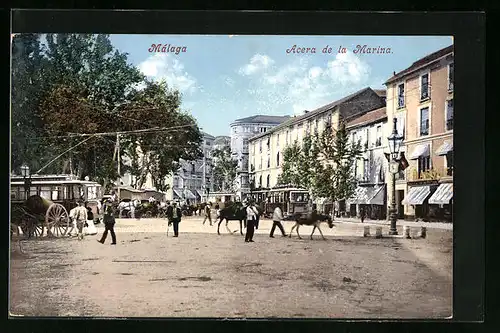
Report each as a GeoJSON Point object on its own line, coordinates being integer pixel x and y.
{"type": "Point", "coordinates": [394, 73]}
{"type": "Point", "coordinates": [306, 111]}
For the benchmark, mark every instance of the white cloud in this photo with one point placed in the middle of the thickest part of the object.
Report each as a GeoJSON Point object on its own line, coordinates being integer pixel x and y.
{"type": "Point", "coordinates": [257, 63]}
{"type": "Point", "coordinates": [165, 67]}
{"type": "Point", "coordinates": [303, 87]}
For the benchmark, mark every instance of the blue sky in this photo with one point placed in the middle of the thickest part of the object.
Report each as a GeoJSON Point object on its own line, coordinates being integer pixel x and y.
{"type": "Point", "coordinates": [223, 78]}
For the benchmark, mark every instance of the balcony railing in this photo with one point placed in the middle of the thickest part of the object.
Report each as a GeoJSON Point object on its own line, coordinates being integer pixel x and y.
{"type": "Point", "coordinates": [431, 174]}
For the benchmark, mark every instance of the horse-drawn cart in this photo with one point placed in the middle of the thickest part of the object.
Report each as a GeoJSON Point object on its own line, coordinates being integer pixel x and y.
{"type": "Point", "coordinates": [42, 208]}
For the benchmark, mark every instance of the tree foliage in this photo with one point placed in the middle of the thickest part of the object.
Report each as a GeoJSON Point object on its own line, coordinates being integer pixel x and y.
{"type": "Point", "coordinates": [224, 169]}
{"type": "Point", "coordinates": [78, 83]}
{"type": "Point", "coordinates": [322, 164]}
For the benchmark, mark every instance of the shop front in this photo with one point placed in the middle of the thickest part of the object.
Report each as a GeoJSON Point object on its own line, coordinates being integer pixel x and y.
{"type": "Point", "coordinates": [371, 199]}
{"type": "Point", "coordinates": [441, 203]}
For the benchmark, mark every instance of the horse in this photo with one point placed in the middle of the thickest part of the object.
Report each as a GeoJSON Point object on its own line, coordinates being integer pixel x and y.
{"type": "Point", "coordinates": [232, 213]}
{"type": "Point", "coordinates": [313, 220]}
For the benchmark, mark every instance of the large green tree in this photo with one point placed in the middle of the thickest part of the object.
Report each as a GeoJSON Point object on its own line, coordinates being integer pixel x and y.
{"type": "Point", "coordinates": [322, 164]}
{"type": "Point", "coordinates": [81, 84]}
{"type": "Point", "coordinates": [224, 169]}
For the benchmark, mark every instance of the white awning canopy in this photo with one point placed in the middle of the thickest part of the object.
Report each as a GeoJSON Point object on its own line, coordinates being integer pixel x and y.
{"type": "Point", "coordinates": [177, 193]}
{"type": "Point", "coordinates": [359, 197]}
{"type": "Point", "coordinates": [420, 151]}
{"type": "Point", "coordinates": [416, 195]}
{"type": "Point", "coordinates": [189, 194]}
{"type": "Point", "coordinates": [378, 195]}
{"type": "Point", "coordinates": [446, 147]}
{"type": "Point", "coordinates": [443, 194]}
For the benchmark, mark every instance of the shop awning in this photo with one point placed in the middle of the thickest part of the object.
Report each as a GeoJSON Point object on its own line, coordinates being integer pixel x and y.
{"type": "Point", "coordinates": [420, 151]}
{"type": "Point", "coordinates": [360, 196]}
{"type": "Point", "coordinates": [416, 195]}
{"type": "Point", "coordinates": [446, 147]}
{"type": "Point", "coordinates": [199, 193]}
{"type": "Point", "coordinates": [177, 192]}
{"type": "Point", "coordinates": [189, 194]}
{"type": "Point", "coordinates": [443, 194]}
{"type": "Point", "coordinates": [377, 196]}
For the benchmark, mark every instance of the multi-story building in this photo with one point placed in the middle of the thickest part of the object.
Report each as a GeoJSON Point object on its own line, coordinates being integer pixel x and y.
{"type": "Point", "coordinates": [266, 149]}
{"type": "Point", "coordinates": [421, 98]}
{"type": "Point", "coordinates": [371, 166]}
{"type": "Point", "coordinates": [191, 182]}
{"type": "Point", "coordinates": [241, 131]}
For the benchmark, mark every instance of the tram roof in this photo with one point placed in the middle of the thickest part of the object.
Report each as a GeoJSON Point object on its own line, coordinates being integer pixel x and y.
{"type": "Point", "coordinates": [58, 182]}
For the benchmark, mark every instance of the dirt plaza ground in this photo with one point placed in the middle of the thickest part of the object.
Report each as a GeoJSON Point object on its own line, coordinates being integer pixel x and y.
{"type": "Point", "coordinates": [202, 274]}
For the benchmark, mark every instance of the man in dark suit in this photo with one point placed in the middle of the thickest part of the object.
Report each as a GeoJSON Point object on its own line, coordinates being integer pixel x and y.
{"type": "Point", "coordinates": [174, 217]}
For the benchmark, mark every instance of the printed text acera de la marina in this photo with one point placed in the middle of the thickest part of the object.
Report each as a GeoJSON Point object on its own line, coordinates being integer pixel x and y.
{"type": "Point", "coordinates": [359, 49]}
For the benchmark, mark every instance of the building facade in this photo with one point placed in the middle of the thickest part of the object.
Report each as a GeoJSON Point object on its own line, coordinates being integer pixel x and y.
{"type": "Point", "coordinates": [241, 131]}
{"type": "Point", "coordinates": [371, 166]}
{"type": "Point", "coordinates": [421, 99]}
{"type": "Point", "coordinates": [191, 183]}
{"type": "Point", "coordinates": [266, 149]}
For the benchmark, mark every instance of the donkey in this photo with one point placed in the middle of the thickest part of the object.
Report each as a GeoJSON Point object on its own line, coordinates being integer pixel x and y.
{"type": "Point", "coordinates": [232, 213]}
{"type": "Point", "coordinates": [314, 220]}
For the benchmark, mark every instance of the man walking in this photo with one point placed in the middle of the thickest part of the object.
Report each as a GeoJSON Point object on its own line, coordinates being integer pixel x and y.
{"type": "Point", "coordinates": [277, 218]}
{"type": "Point", "coordinates": [208, 208]}
{"type": "Point", "coordinates": [174, 217]}
{"type": "Point", "coordinates": [81, 218]}
{"type": "Point", "coordinates": [252, 214]}
{"type": "Point", "coordinates": [109, 224]}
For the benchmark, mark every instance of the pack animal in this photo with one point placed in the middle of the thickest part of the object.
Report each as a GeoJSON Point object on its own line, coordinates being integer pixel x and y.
{"type": "Point", "coordinates": [314, 220]}
{"type": "Point", "coordinates": [232, 213]}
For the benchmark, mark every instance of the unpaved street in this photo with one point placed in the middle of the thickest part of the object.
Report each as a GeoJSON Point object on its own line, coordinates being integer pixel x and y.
{"type": "Point", "coordinates": [202, 274]}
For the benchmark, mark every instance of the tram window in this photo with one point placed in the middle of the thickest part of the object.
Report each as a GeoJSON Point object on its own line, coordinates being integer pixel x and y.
{"type": "Point", "coordinates": [14, 194]}
{"type": "Point", "coordinates": [33, 191]}
{"type": "Point", "coordinates": [65, 193]}
{"type": "Point", "coordinates": [56, 193]}
{"type": "Point", "coordinates": [76, 192]}
{"type": "Point", "coordinates": [45, 192]}
{"type": "Point", "coordinates": [91, 192]}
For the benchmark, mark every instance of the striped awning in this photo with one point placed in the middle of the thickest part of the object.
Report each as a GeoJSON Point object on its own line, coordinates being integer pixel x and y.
{"type": "Point", "coordinates": [446, 147]}
{"type": "Point", "coordinates": [189, 194]}
{"type": "Point", "coordinates": [177, 192]}
{"type": "Point", "coordinates": [416, 195]}
{"type": "Point", "coordinates": [443, 194]}
{"type": "Point", "coordinates": [199, 193]}
{"type": "Point", "coordinates": [420, 151]}
{"type": "Point", "coordinates": [361, 196]}
{"type": "Point", "coordinates": [377, 196]}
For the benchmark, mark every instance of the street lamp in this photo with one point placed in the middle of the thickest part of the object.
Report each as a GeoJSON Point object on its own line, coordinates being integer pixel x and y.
{"type": "Point", "coordinates": [394, 145]}
{"type": "Point", "coordinates": [25, 172]}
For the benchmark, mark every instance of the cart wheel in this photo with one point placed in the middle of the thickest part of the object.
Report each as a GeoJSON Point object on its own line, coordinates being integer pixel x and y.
{"type": "Point", "coordinates": [148, 215]}
{"type": "Point", "coordinates": [31, 228]}
{"type": "Point", "coordinates": [57, 220]}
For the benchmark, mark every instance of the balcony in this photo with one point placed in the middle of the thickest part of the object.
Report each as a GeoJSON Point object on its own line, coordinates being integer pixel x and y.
{"type": "Point", "coordinates": [431, 174]}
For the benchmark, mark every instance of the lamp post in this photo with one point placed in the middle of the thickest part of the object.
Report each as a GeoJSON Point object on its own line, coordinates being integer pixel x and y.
{"type": "Point", "coordinates": [25, 172]}
{"type": "Point", "coordinates": [394, 145]}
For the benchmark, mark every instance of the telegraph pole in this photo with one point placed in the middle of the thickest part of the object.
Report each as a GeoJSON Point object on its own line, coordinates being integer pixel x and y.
{"type": "Point", "coordinates": [118, 181]}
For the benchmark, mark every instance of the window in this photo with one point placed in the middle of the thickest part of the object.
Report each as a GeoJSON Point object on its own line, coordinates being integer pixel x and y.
{"type": "Point", "coordinates": [424, 121]}
{"type": "Point", "coordinates": [400, 124]}
{"type": "Point", "coordinates": [451, 74]}
{"type": "Point", "coordinates": [268, 142]}
{"type": "Point", "coordinates": [286, 137]}
{"type": "Point", "coordinates": [449, 163]}
{"type": "Point", "coordinates": [401, 95]}
{"type": "Point", "coordinates": [366, 170]}
{"type": "Point", "coordinates": [278, 140]}
{"type": "Point", "coordinates": [260, 146]}
{"type": "Point", "coordinates": [268, 182]}
{"type": "Point", "coordinates": [424, 164]}
{"type": "Point", "coordinates": [260, 164]}
{"type": "Point", "coordinates": [315, 126]}
{"type": "Point", "coordinates": [449, 115]}
{"type": "Point", "coordinates": [278, 159]}
{"type": "Point", "coordinates": [424, 87]}
{"type": "Point", "coordinates": [355, 166]}
{"type": "Point", "coordinates": [269, 161]}
{"type": "Point", "coordinates": [378, 141]}
{"type": "Point", "coordinates": [260, 181]}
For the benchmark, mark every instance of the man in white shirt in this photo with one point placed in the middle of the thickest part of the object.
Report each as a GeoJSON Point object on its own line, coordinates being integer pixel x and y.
{"type": "Point", "coordinates": [277, 218]}
{"type": "Point", "coordinates": [81, 218]}
{"type": "Point", "coordinates": [252, 215]}
{"type": "Point", "coordinates": [73, 230]}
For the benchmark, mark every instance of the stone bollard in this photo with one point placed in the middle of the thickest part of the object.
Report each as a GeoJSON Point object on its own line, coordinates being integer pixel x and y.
{"type": "Point", "coordinates": [366, 231]}
{"type": "Point", "coordinates": [378, 232]}
{"type": "Point", "coordinates": [423, 232]}
{"type": "Point", "coordinates": [406, 232]}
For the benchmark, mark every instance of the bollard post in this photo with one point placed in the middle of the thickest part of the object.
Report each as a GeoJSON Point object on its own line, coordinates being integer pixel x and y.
{"type": "Point", "coordinates": [406, 232]}
{"type": "Point", "coordinates": [378, 232]}
{"type": "Point", "coordinates": [366, 231]}
{"type": "Point", "coordinates": [423, 232]}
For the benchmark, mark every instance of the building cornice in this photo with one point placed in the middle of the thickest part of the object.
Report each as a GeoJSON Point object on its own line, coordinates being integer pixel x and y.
{"type": "Point", "coordinates": [429, 138]}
